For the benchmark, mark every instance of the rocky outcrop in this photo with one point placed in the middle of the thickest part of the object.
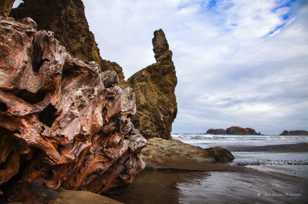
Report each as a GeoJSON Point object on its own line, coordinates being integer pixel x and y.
{"type": "Point", "coordinates": [113, 66]}
{"type": "Point", "coordinates": [66, 18]}
{"type": "Point", "coordinates": [5, 7]}
{"type": "Point", "coordinates": [155, 92]}
{"type": "Point", "coordinates": [63, 122]}
{"type": "Point", "coordinates": [294, 132]}
{"type": "Point", "coordinates": [216, 131]}
{"type": "Point", "coordinates": [174, 154]}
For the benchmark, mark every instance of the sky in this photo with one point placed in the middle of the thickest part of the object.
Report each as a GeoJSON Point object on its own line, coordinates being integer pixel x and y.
{"type": "Point", "coordinates": [238, 62]}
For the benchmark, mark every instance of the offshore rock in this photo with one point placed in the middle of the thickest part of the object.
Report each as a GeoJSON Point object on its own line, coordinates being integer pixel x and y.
{"type": "Point", "coordinates": [66, 18]}
{"type": "Point", "coordinates": [155, 92]}
{"type": "Point", "coordinates": [216, 131]}
{"type": "Point", "coordinates": [241, 131]}
{"type": "Point", "coordinates": [234, 130]}
{"type": "Point", "coordinates": [63, 122]}
{"type": "Point", "coordinates": [174, 154]}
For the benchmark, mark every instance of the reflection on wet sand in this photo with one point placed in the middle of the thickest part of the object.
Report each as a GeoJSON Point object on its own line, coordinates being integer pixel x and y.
{"type": "Point", "coordinates": [245, 186]}
{"type": "Point", "coordinates": [154, 187]}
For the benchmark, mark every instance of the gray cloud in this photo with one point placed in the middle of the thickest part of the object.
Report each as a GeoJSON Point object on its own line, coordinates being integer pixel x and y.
{"type": "Point", "coordinates": [228, 72]}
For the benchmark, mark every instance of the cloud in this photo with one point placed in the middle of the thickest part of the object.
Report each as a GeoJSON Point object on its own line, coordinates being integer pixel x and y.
{"type": "Point", "coordinates": [238, 62]}
{"type": "Point", "coordinates": [16, 3]}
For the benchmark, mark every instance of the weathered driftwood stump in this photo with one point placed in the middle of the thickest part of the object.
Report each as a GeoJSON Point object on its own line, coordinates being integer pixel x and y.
{"type": "Point", "coordinates": [63, 122]}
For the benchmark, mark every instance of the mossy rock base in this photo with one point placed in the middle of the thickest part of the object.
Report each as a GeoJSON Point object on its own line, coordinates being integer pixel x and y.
{"type": "Point", "coordinates": [174, 154]}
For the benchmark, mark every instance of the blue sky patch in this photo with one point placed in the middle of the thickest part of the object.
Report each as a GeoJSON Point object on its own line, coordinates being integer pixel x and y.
{"type": "Point", "coordinates": [286, 17]}
{"type": "Point", "coordinates": [211, 4]}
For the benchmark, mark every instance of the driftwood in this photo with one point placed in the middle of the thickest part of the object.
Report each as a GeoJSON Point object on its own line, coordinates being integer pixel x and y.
{"type": "Point", "coordinates": [63, 122]}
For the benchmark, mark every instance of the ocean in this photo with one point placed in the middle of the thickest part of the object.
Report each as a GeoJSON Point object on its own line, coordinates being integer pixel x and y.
{"type": "Point", "coordinates": [247, 152]}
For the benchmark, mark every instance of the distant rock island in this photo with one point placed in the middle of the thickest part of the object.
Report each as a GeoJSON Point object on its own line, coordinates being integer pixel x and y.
{"type": "Point", "coordinates": [294, 132]}
{"type": "Point", "coordinates": [219, 131]}
{"type": "Point", "coordinates": [234, 130]}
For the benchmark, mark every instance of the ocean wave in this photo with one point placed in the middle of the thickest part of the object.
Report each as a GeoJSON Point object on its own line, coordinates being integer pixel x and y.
{"type": "Point", "coordinates": [271, 162]}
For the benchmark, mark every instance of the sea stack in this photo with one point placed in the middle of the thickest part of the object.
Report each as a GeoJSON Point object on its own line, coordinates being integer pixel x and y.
{"type": "Point", "coordinates": [154, 87]}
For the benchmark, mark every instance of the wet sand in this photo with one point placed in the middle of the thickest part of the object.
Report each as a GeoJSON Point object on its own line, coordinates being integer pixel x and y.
{"type": "Point", "coordinates": [244, 186]}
